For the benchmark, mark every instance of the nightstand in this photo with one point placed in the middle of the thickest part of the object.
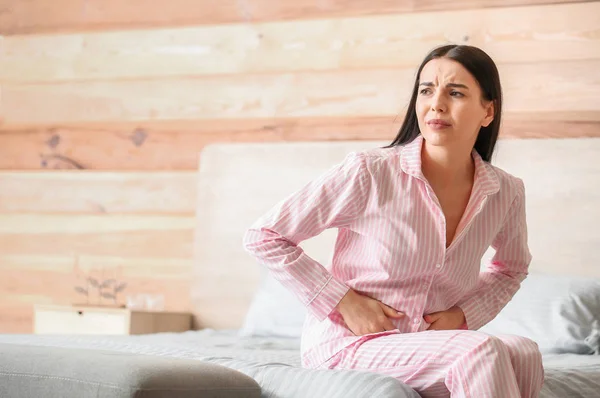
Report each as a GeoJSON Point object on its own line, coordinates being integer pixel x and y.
{"type": "Point", "coordinates": [56, 319]}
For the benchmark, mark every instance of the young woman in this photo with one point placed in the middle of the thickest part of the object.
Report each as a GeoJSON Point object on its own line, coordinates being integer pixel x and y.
{"type": "Point", "coordinates": [404, 295]}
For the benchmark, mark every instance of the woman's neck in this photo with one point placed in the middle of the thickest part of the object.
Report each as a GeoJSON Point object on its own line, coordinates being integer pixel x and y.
{"type": "Point", "coordinates": [443, 166]}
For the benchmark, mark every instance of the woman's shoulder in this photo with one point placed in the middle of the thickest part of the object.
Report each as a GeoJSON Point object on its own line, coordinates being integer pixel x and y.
{"type": "Point", "coordinates": [376, 158]}
{"type": "Point", "coordinates": [509, 183]}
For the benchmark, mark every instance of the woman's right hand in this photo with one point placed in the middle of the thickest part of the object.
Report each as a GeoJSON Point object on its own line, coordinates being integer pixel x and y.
{"type": "Point", "coordinates": [364, 315]}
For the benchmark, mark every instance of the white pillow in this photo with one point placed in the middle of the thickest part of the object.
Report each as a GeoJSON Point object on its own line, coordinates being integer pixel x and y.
{"type": "Point", "coordinates": [560, 313]}
{"type": "Point", "coordinates": [274, 312]}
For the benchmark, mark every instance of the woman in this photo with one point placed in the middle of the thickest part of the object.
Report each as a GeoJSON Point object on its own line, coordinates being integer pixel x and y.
{"type": "Point", "coordinates": [404, 295]}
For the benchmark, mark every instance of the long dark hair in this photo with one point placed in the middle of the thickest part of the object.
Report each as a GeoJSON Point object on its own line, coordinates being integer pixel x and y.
{"type": "Point", "coordinates": [483, 68]}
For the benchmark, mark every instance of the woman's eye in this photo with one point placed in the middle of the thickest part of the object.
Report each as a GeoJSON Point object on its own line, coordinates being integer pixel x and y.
{"type": "Point", "coordinates": [456, 94]}
{"type": "Point", "coordinates": [424, 91]}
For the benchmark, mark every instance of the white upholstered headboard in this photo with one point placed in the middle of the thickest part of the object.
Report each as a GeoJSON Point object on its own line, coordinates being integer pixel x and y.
{"type": "Point", "coordinates": [239, 182]}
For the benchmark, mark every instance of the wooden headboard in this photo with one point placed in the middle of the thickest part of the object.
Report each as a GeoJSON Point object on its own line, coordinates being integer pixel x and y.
{"type": "Point", "coordinates": [239, 182]}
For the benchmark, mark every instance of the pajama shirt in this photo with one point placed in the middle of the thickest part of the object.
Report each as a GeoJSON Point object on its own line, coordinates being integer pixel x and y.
{"type": "Point", "coordinates": [391, 246]}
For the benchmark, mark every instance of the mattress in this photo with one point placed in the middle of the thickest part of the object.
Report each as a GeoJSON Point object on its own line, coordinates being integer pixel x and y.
{"type": "Point", "coordinates": [275, 364]}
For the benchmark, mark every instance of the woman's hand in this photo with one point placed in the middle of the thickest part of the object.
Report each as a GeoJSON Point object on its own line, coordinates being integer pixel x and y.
{"type": "Point", "coordinates": [364, 315]}
{"type": "Point", "coordinates": [451, 319]}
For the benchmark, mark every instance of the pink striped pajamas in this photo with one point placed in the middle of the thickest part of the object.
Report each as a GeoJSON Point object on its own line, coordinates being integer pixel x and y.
{"type": "Point", "coordinates": [391, 246]}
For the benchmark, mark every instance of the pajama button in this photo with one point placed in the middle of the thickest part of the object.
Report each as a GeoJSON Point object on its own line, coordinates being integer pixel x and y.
{"type": "Point", "coordinates": [416, 321]}
{"type": "Point", "coordinates": [438, 266]}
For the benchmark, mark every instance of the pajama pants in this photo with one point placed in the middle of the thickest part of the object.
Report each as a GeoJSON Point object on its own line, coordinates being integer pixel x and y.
{"type": "Point", "coordinates": [452, 363]}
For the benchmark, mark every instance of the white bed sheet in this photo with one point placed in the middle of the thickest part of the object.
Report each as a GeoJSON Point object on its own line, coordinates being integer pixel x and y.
{"type": "Point", "coordinates": [275, 364]}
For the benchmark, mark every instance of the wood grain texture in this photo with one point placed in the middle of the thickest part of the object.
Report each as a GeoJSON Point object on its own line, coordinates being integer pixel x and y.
{"type": "Point", "coordinates": [19, 17]}
{"type": "Point", "coordinates": [169, 145]}
{"type": "Point", "coordinates": [177, 145]}
{"type": "Point", "coordinates": [99, 85]}
{"type": "Point", "coordinates": [549, 91]}
{"type": "Point", "coordinates": [15, 316]}
{"type": "Point", "coordinates": [96, 235]}
{"type": "Point", "coordinates": [510, 35]}
{"type": "Point", "coordinates": [127, 267]}
{"type": "Point", "coordinates": [22, 288]}
{"type": "Point", "coordinates": [42, 274]}
{"type": "Point", "coordinates": [97, 192]}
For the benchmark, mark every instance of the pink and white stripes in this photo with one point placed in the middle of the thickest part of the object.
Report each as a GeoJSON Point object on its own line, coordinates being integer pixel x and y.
{"type": "Point", "coordinates": [391, 246]}
{"type": "Point", "coordinates": [465, 364]}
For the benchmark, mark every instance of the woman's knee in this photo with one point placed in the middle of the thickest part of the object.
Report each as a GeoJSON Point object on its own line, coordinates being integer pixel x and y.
{"type": "Point", "coordinates": [524, 354]}
{"type": "Point", "coordinates": [522, 346]}
{"type": "Point", "coordinates": [527, 362]}
{"type": "Point", "coordinates": [484, 343]}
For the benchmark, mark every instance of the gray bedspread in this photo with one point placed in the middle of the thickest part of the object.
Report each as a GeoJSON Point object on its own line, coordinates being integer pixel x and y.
{"type": "Point", "coordinates": [275, 364]}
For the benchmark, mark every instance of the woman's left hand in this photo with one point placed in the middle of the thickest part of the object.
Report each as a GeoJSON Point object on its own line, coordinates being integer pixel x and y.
{"type": "Point", "coordinates": [451, 319]}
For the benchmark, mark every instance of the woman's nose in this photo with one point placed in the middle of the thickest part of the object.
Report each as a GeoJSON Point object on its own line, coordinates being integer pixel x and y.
{"type": "Point", "coordinates": [437, 104]}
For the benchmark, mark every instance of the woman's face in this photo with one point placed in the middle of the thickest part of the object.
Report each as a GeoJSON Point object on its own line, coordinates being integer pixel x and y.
{"type": "Point", "coordinates": [450, 108]}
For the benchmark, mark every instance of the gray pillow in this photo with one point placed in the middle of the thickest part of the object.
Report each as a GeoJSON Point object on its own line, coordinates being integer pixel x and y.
{"type": "Point", "coordinates": [34, 371]}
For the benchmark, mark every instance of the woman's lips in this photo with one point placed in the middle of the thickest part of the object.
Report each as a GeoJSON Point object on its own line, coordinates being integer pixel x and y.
{"type": "Point", "coordinates": [438, 124]}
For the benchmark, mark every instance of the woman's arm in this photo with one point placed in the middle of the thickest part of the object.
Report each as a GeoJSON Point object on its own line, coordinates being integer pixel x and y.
{"type": "Point", "coordinates": [333, 200]}
{"type": "Point", "coordinates": [508, 268]}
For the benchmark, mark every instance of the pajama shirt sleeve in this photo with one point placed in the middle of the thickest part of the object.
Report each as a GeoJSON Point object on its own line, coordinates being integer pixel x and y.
{"type": "Point", "coordinates": [333, 200]}
{"type": "Point", "coordinates": [508, 268]}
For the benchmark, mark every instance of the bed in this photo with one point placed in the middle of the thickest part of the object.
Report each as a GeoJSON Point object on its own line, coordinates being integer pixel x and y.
{"type": "Point", "coordinates": [239, 310]}
{"type": "Point", "coordinates": [274, 362]}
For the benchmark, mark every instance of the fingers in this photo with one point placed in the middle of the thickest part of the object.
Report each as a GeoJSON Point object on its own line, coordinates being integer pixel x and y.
{"type": "Point", "coordinates": [389, 311]}
{"type": "Point", "coordinates": [431, 318]}
{"type": "Point", "coordinates": [388, 325]}
{"type": "Point", "coordinates": [434, 320]}
{"type": "Point", "coordinates": [369, 316]}
{"type": "Point", "coordinates": [380, 323]}
{"type": "Point", "coordinates": [435, 326]}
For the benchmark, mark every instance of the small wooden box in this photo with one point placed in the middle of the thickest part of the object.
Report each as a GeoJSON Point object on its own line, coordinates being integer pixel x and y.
{"type": "Point", "coordinates": [56, 319]}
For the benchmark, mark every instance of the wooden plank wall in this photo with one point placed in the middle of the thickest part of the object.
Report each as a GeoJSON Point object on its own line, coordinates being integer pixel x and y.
{"type": "Point", "coordinates": [106, 104]}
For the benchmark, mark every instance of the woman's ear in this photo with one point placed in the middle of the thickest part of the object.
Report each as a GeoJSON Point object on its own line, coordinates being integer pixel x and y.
{"type": "Point", "coordinates": [490, 111]}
